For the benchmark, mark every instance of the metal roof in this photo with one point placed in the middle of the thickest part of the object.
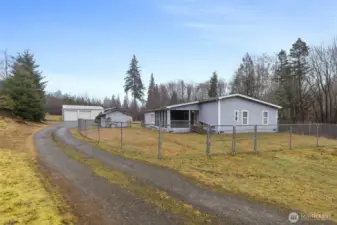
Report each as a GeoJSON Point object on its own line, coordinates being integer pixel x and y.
{"type": "Point", "coordinates": [110, 110]}
{"type": "Point", "coordinates": [81, 107]}
{"type": "Point", "coordinates": [182, 104]}
{"type": "Point", "coordinates": [216, 99]}
{"type": "Point", "coordinates": [251, 99]}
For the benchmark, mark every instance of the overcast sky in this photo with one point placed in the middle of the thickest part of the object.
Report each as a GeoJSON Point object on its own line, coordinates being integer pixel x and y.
{"type": "Point", "coordinates": [86, 46]}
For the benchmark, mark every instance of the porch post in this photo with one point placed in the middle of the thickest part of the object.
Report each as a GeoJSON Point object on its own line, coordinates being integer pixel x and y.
{"type": "Point", "coordinates": [168, 119]}
{"type": "Point", "coordinates": [156, 116]}
{"type": "Point", "coordinates": [165, 118]}
{"type": "Point", "coordinates": [189, 119]}
{"type": "Point", "coordinates": [161, 117]}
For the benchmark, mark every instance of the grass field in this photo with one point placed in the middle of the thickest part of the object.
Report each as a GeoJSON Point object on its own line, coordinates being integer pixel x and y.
{"type": "Point", "coordinates": [24, 198]}
{"type": "Point", "coordinates": [303, 179]}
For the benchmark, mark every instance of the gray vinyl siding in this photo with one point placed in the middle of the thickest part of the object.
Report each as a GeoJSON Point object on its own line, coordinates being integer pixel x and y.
{"type": "Point", "coordinates": [116, 117]}
{"type": "Point", "coordinates": [209, 113]}
{"type": "Point", "coordinates": [149, 118]}
{"type": "Point", "coordinates": [228, 107]}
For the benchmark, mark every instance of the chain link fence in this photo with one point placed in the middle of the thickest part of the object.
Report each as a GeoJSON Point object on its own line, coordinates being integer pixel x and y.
{"type": "Point", "coordinates": [177, 141]}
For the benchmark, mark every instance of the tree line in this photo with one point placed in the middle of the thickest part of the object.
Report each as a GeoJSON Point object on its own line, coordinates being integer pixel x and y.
{"type": "Point", "coordinates": [302, 79]}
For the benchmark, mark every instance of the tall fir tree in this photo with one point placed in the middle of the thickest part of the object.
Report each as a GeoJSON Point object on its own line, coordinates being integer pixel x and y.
{"type": "Point", "coordinates": [244, 80]}
{"type": "Point", "coordinates": [213, 91]}
{"type": "Point", "coordinates": [285, 91]}
{"type": "Point", "coordinates": [156, 97]}
{"type": "Point", "coordinates": [300, 69]}
{"type": "Point", "coordinates": [118, 102]}
{"type": "Point", "coordinates": [133, 81]}
{"type": "Point", "coordinates": [134, 110]}
{"type": "Point", "coordinates": [150, 93]}
{"type": "Point", "coordinates": [27, 62]}
{"type": "Point", "coordinates": [126, 102]}
{"type": "Point", "coordinates": [25, 86]}
{"type": "Point", "coordinates": [113, 101]}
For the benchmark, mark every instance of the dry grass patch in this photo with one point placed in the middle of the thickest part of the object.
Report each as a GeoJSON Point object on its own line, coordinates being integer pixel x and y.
{"type": "Point", "coordinates": [24, 198]}
{"type": "Point", "coordinates": [303, 179]}
{"type": "Point", "coordinates": [50, 117]}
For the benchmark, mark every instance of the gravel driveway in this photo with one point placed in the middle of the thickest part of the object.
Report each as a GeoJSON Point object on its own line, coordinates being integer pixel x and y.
{"type": "Point", "coordinates": [116, 202]}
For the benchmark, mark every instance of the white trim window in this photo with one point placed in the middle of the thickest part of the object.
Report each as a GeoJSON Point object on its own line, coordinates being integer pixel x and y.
{"type": "Point", "coordinates": [236, 116]}
{"type": "Point", "coordinates": [265, 117]}
{"type": "Point", "coordinates": [245, 117]}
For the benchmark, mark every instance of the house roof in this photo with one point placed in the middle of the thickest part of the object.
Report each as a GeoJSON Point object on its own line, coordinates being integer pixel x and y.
{"type": "Point", "coordinates": [182, 104]}
{"type": "Point", "coordinates": [251, 99]}
{"type": "Point", "coordinates": [110, 110]}
{"type": "Point", "coordinates": [81, 107]}
{"type": "Point", "coordinates": [216, 99]}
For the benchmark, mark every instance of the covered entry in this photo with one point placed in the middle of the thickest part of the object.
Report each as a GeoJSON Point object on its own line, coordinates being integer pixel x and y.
{"type": "Point", "coordinates": [183, 118]}
{"type": "Point", "coordinates": [178, 118]}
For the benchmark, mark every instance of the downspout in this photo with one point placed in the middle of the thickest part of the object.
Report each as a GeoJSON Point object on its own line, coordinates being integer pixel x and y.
{"type": "Point", "coordinates": [219, 115]}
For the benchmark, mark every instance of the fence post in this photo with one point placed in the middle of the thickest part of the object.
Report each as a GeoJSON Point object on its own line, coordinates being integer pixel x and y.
{"type": "Point", "coordinates": [86, 128]}
{"type": "Point", "coordinates": [310, 129]}
{"type": "Point", "coordinates": [290, 137]}
{"type": "Point", "coordinates": [159, 141]}
{"type": "Point", "coordinates": [99, 133]}
{"type": "Point", "coordinates": [233, 140]}
{"type": "Point", "coordinates": [121, 135]}
{"type": "Point", "coordinates": [208, 140]}
{"type": "Point", "coordinates": [317, 135]}
{"type": "Point", "coordinates": [255, 137]}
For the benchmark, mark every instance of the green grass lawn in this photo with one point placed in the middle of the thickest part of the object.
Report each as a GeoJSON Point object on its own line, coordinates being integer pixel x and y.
{"type": "Point", "coordinates": [303, 179]}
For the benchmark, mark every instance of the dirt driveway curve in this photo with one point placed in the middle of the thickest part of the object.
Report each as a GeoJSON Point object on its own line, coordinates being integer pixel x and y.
{"type": "Point", "coordinates": [232, 209]}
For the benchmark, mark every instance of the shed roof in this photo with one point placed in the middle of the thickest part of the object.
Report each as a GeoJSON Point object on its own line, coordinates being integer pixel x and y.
{"type": "Point", "coordinates": [110, 110]}
{"type": "Point", "coordinates": [216, 99]}
{"type": "Point", "coordinates": [82, 107]}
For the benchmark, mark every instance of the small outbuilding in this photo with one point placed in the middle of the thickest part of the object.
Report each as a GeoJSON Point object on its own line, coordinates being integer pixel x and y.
{"type": "Point", "coordinates": [75, 112]}
{"type": "Point", "coordinates": [114, 117]}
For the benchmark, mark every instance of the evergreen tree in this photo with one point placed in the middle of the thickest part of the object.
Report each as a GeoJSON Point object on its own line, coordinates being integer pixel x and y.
{"type": "Point", "coordinates": [174, 98]}
{"type": "Point", "coordinates": [113, 101]}
{"type": "Point", "coordinates": [27, 62]}
{"type": "Point", "coordinates": [164, 96]}
{"type": "Point", "coordinates": [26, 90]}
{"type": "Point", "coordinates": [213, 86]}
{"type": "Point", "coordinates": [126, 102]}
{"type": "Point", "coordinates": [134, 110]}
{"type": "Point", "coordinates": [300, 68]}
{"type": "Point", "coordinates": [244, 80]}
{"type": "Point", "coordinates": [118, 102]}
{"type": "Point", "coordinates": [156, 97]}
{"type": "Point", "coordinates": [133, 81]}
{"type": "Point", "coordinates": [150, 93]}
{"type": "Point", "coordinates": [284, 78]}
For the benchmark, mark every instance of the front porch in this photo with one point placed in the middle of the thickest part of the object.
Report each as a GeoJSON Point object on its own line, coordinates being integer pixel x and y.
{"type": "Point", "coordinates": [176, 120]}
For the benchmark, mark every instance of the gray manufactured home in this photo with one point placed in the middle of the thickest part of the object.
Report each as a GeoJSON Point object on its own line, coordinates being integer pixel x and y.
{"type": "Point", "coordinates": [222, 113]}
